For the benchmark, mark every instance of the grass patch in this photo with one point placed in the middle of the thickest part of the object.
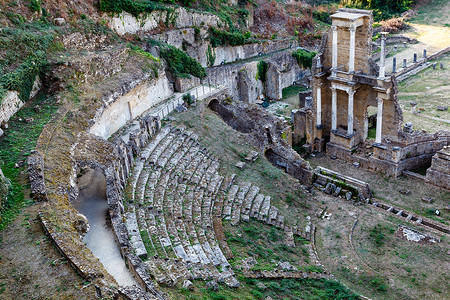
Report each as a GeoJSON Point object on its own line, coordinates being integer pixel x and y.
{"type": "Point", "coordinates": [292, 90]}
{"type": "Point", "coordinates": [264, 243]}
{"type": "Point", "coordinates": [15, 146]}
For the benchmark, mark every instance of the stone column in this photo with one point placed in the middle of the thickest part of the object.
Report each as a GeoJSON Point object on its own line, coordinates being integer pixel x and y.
{"type": "Point", "coordinates": [404, 63]}
{"type": "Point", "coordinates": [335, 42]}
{"type": "Point", "coordinates": [415, 57]}
{"type": "Point", "coordinates": [383, 55]}
{"type": "Point", "coordinates": [351, 93]}
{"type": "Point", "coordinates": [351, 61]}
{"type": "Point", "coordinates": [379, 120]}
{"type": "Point", "coordinates": [333, 108]}
{"type": "Point", "coordinates": [424, 53]}
{"type": "Point", "coordinates": [394, 64]}
{"type": "Point", "coordinates": [319, 105]}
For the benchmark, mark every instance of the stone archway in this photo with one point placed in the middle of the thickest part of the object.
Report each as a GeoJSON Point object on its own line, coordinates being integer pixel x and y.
{"type": "Point", "coordinates": [213, 104]}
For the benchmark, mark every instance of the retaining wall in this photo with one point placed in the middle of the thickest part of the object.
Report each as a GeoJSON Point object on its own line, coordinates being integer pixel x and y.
{"type": "Point", "coordinates": [180, 18]}
{"type": "Point", "coordinates": [120, 109]}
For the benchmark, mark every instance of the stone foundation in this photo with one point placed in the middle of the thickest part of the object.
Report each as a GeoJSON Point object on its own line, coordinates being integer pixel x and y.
{"type": "Point", "coordinates": [439, 172]}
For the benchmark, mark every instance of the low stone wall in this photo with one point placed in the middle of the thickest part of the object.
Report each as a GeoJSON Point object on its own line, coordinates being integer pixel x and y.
{"type": "Point", "coordinates": [396, 39]}
{"type": "Point", "coordinates": [116, 177]}
{"type": "Point", "coordinates": [393, 160]}
{"type": "Point", "coordinates": [419, 63]}
{"type": "Point", "coordinates": [362, 187]}
{"type": "Point", "coordinates": [4, 186]}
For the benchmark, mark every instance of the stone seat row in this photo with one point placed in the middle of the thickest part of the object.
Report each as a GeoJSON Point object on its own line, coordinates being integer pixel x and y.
{"type": "Point", "coordinates": [175, 201]}
{"type": "Point", "coordinates": [168, 200]}
{"type": "Point", "coordinates": [244, 201]}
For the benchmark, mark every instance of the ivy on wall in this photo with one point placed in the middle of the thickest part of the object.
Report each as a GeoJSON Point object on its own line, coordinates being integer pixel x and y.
{"type": "Point", "coordinates": [224, 38]}
{"type": "Point", "coordinates": [180, 63]}
{"type": "Point", "coordinates": [22, 78]}
{"type": "Point", "coordinates": [304, 58]}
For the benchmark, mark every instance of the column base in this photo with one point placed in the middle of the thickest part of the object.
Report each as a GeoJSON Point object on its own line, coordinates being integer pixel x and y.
{"type": "Point", "coordinates": [341, 138]}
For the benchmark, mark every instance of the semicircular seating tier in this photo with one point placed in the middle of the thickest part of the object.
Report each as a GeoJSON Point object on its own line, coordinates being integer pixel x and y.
{"type": "Point", "coordinates": [175, 201]}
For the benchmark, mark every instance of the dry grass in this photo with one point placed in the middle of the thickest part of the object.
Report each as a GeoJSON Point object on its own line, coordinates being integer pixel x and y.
{"type": "Point", "coordinates": [31, 268]}
{"type": "Point", "coordinates": [429, 89]}
{"type": "Point", "coordinates": [392, 269]}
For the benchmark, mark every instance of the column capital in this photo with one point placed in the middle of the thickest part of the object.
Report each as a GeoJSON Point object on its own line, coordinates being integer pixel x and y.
{"type": "Point", "coordinates": [351, 92]}
{"type": "Point", "coordinates": [334, 27]}
{"type": "Point", "coordinates": [333, 89]}
{"type": "Point", "coordinates": [383, 35]}
{"type": "Point", "coordinates": [319, 84]}
{"type": "Point", "coordinates": [352, 28]}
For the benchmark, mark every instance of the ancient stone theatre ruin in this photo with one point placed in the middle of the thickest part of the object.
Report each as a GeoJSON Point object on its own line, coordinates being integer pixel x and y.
{"type": "Point", "coordinates": [346, 82]}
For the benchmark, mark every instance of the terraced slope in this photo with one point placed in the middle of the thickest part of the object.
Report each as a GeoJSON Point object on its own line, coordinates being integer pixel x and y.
{"type": "Point", "coordinates": [175, 201]}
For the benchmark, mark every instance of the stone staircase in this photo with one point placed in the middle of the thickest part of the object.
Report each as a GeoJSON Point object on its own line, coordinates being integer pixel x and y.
{"type": "Point", "coordinates": [175, 201]}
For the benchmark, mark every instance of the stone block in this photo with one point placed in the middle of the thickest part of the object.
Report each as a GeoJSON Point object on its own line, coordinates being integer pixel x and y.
{"type": "Point", "coordinates": [427, 199]}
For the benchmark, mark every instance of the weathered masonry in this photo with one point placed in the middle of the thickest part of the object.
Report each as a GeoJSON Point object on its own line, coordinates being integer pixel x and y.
{"type": "Point", "coordinates": [346, 84]}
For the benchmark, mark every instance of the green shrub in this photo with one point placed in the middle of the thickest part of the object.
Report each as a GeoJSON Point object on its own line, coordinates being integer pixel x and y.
{"type": "Point", "coordinates": [304, 58]}
{"type": "Point", "coordinates": [382, 9]}
{"type": "Point", "coordinates": [322, 15]}
{"type": "Point", "coordinates": [379, 234]}
{"type": "Point", "coordinates": [34, 5]}
{"type": "Point", "coordinates": [261, 73]}
{"type": "Point", "coordinates": [224, 38]}
{"type": "Point", "coordinates": [210, 56]}
{"type": "Point", "coordinates": [180, 64]}
{"type": "Point", "coordinates": [22, 78]}
{"type": "Point", "coordinates": [187, 98]}
{"type": "Point", "coordinates": [142, 52]}
{"type": "Point", "coordinates": [134, 7]}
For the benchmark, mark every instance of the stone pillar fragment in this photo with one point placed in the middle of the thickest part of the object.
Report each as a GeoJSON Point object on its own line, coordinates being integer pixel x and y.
{"type": "Point", "coordinates": [379, 121]}
{"type": "Point", "coordinates": [424, 53]}
{"type": "Point", "coordinates": [394, 64]}
{"type": "Point", "coordinates": [351, 61]}
{"type": "Point", "coordinates": [335, 44]}
{"type": "Point", "coordinates": [333, 108]}
{"type": "Point", "coordinates": [404, 63]}
{"type": "Point", "coordinates": [319, 105]}
{"type": "Point", "coordinates": [383, 55]}
{"type": "Point", "coordinates": [350, 113]}
{"type": "Point", "coordinates": [415, 57]}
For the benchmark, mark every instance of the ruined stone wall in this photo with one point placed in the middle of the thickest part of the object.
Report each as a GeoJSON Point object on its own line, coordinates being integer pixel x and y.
{"type": "Point", "coordinates": [439, 172]}
{"type": "Point", "coordinates": [117, 111]}
{"type": "Point", "coordinates": [11, 103]}
{"type": "Point", "coordinates": [363, 45]}
{"type": "Point", "coordinates": [241, 78]}
{"type": "Point", "coordinates": [181, 18]}
{"type": "Point", "coordinates": [196, 45]}
{"type": "Point", "coordinates": [269, 133]}
{"type": "Point", "coordinates": [283, 72]}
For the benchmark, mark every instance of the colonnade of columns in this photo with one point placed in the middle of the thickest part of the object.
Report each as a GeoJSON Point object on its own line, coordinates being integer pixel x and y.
{"type": "Point", "coordinates": [351, 60]}
{"type": "Point", "coordinates": [351, 94]}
